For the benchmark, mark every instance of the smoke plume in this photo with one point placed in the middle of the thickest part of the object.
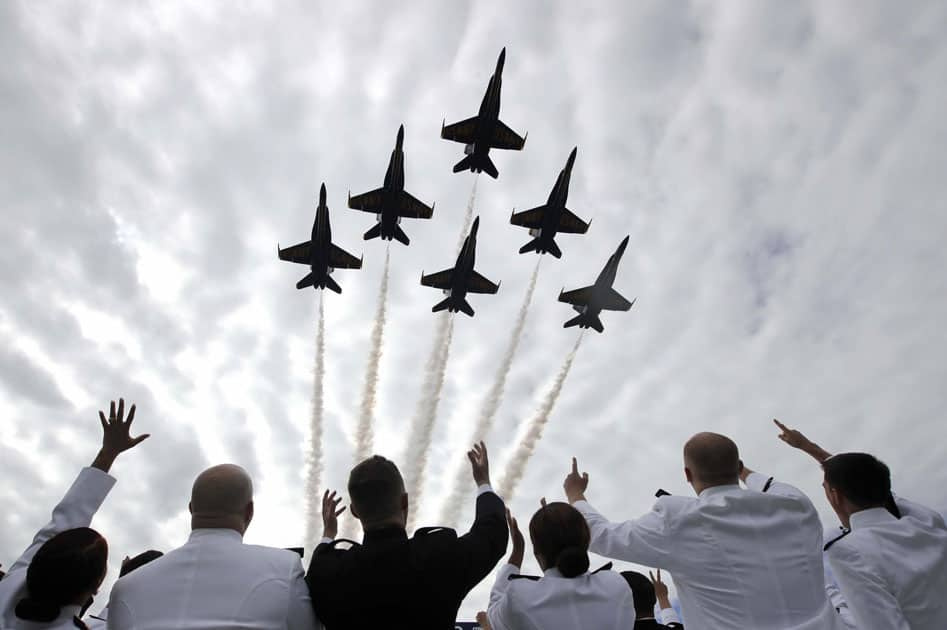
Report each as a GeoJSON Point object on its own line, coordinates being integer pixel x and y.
{"type": "Point", "coordinates": [314, 459]}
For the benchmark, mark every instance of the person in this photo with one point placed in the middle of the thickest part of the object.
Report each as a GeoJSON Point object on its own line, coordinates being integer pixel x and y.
{"type": "Point", "coordinates": [890, 559]}
{"type": "Point", "coordinates": [741, 558]}
{"type": "Point", "coordinates": [390, 580]}
{"type": "Point", "coordinates": [62, 569]}
{"type": "Point", "coordinates": [215, 581]}
{"type": "Point", "coordinates": [567, 596]}
{"type": "Point", "coordinates": [648, 595]}
{"type": "Point", "coordinates": [99, 620]}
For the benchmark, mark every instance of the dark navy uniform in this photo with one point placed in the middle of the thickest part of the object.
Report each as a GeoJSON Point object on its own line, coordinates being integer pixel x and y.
{"type": "Point", "coordinates": [392, 581]}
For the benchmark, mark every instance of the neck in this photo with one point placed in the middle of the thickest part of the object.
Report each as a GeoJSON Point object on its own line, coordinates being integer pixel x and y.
{"type": "Point", "coordinates": [387, 523]}
{"type": "Point", "coordinates": [700, 486]}
{"type": "Point", "coordinates": [219, 522]}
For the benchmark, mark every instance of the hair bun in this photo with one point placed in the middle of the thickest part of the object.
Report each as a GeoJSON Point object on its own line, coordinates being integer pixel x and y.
{"type": "Point", "coordinates": [572, 561]}
{"type": "Point", "coordinates": [30, 609]}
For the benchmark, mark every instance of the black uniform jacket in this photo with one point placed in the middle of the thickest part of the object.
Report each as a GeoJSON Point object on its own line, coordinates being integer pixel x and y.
{"type": "Point", "coordinates": [391, 581]}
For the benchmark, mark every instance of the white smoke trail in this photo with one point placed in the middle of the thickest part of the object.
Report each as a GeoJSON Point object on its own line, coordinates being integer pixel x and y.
{"type": "Point", "coordinates": [517, 464]}
{"type": "Point", "coordinates": [450, 513]}
{"type": "Point", "coordinates": [314, 459]}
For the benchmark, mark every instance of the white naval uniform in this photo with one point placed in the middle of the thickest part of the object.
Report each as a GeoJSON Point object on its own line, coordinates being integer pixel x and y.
{"type": "Point", "coordinates": [740, 558]}
{"type": "Point", "coordinates": [214, 581]}
{"type": "Point", "coordinates": [76, 509]}
{"type": "Point", "coordinates": [893, 572]}
{"type": "Point", "coordinates": [600, 600]}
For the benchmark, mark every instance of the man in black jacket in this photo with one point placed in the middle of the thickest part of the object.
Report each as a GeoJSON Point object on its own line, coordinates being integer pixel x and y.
{"type": "Point", "coordinates": [390, 580]}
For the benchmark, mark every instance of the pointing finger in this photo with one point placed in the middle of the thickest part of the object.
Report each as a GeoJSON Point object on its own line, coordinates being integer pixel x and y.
{"type": "Point", "coordinates": [575, 466]}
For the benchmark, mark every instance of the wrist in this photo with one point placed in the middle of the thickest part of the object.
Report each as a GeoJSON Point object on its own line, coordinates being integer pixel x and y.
{"type": "Point", "coordinates": [482, 481]}
{"type": "Point", "coordinates": [104, 459]}
{"type": "Point", "coordinates": [516, 559]}
{"type": "Point", "coordinates": [664, 603]}
{"type": "Point", "coordinates": [575, 498]}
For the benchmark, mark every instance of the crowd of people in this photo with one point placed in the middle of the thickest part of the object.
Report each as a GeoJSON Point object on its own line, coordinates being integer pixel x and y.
{"type": "Point", "coordinates": [751, 556]}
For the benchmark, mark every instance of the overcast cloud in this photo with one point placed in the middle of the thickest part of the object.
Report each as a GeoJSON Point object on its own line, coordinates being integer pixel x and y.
{"type": "Point", "coordinates": [779, 167]}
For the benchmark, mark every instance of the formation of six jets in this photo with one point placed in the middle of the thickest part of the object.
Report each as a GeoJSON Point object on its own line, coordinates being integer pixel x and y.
{"type": "Point", "coordinates": [391, 203]}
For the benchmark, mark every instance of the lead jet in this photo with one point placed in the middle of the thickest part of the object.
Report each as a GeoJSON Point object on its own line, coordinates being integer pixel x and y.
{"type": "Point", "coordinates": [390, 202]}
{"type": "Point", "coordinates": [462, 279]}
{"type": "Point", "coordinates": [319, 253]}
{"type": "Point", "coordinates": [544, 222]}
{"type": "Point", "coordinates": [484, 131]}
{"type": "Point", "coordinates": [590, 301]}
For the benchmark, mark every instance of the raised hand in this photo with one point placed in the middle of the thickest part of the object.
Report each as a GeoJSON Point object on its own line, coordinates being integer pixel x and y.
{"type": "Point", "coordinates": [479, 464]}
{"type": "Point", "coordinates": [330, 514]}
{"type": "Point", "coordinates": [519, 543]}
{"type": "Point", "coordinates": [116, 436]}
{"type": "Point", "coordinates": [660, 590]}
{"type": "Point", "coordinates": [796, 439]}
{"type": "Point", "coordinates": [575, 484]}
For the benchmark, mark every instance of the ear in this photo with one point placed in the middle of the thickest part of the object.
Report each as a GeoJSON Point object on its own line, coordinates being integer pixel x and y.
{"type": "Point", "coordinates": [248, 513]}
{"type": "Point", "coordinates": [688, 475]}
{"type": "Point", "coordinates": [190, 508]}
{"type": "Point", "coordinates": [354, 512]}
{"type": "Point", "coordinates": [404, 501]}
{"type": "Point", "coordinates": [739, 467]}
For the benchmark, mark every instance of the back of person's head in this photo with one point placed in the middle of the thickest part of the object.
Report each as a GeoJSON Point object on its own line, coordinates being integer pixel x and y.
{"type": "Point", "coordinates": [560, 538]}
{"type": "Point", "coordinates": [222, 497]}
{"type": "Point", "coordinates": [711, 459]}
{"type": "Point", "coordinates": [862, 479]}
{"type": "Point", "coordinates": [643, 591]}
{"type": "Point", "coordinates": [136, 562]}
{"type": "Point", "coordinates": [376, 492]}
{"type": "Point", "coordinates": [66, 570]}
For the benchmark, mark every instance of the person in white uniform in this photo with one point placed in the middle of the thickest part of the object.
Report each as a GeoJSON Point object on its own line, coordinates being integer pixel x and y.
{"type": "Point", "coordinates": [61, 570]}
{"type": "Point", "coordinates": [567, 596]}
{"type": "Point", "coordinates": [99, 620]}
{"type": "Point", "coordinates": [214, 581]}
{"type": "Point", "coordinates": [741, 558]}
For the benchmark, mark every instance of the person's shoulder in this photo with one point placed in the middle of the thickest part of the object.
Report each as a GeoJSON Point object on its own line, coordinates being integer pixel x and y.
{"type": "Point", "coordinates": [433, 536]}
{"type": "Point", "coordinates": [272, 555]}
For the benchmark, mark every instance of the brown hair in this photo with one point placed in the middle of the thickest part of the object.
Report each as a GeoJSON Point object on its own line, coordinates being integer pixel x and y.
{"type": "Point", "coordinates": [561, 536]}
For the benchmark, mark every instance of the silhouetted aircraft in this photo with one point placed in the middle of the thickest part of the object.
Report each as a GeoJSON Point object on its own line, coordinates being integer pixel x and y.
{"type": "Point", "coordinates": [590, 301]}
{"type": "Point", "coordinates": [319, 253]}
{"type": "Point", "coordinates": [544, 222]}
{"type": "Point", "coordinates": [484, 131]}
{"type": "Point", "coordinates": [390, 202]}
{"type": "Point", "coordinates": [462, 279]}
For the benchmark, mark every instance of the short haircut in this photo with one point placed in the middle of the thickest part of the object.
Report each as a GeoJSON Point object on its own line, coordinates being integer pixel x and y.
{"type": "Point", "coordinates": [139, 561]}
{"type": "Point", "coordinates": [375, 489]}
{"type": "Point", "coordinates": [219, 490]}
{"type": "Point", "coordinates": [712, 458]}
{"type": "Point", "coordinates": [643, 591]}
{"type": "Point", "coordinates": [561, 536]}
{"type": "Point", "coordinates": [861, 478]}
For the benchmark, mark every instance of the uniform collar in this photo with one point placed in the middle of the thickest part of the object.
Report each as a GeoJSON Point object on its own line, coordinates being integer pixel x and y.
{"type": "Point", "coordinates": [383, 534]}
{"type": "Point", "coordinates": [869, 517]}
{"type": "Point", "coordinates": [222, 533]}
{"type": "Point", "coordinates": [730, 488]}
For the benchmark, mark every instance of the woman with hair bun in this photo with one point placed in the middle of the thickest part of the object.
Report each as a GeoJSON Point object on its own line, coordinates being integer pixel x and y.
{"type": "Point", "coordinates": [58, 574]}
{"type": "Point", "coordinates": [567, 596]}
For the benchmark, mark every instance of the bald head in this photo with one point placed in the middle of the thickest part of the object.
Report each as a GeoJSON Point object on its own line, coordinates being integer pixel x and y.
{"type": "Point", "coordinates": [222, 496]}
{"type": "Point", "coordinates": [712, 459]}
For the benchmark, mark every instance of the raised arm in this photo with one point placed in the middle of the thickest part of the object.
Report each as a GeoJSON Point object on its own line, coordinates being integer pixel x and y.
{"type": "Point", "coordinates": [797, 440]}
{"type": "Point", "coordinates": [513, 564]}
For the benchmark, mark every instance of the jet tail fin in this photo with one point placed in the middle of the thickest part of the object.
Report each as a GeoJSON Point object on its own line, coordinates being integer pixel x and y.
{"type": "Point", "coordinates": [307, 281]}
{"type": "Point", "coordinates": [487, 165]}
{"type": "Point", "coordinates": [374, 232]}
{"type": "Point", "coordinates": [454, 305]}
{"type": "Point", "coordinates": [400, 236]}
{"type": "Point", "coordinates": [476, 164]}
{"type": "Point", "coordinates": [332, 284]}
{"type": "Point", "coordinates": [464, 165]}
{"type": "Point", "coordinates": [585, 321]}
{"type": "Point", "coordinates": [536, 245]}
{"type": "Point", "coordinates": [442, 305]}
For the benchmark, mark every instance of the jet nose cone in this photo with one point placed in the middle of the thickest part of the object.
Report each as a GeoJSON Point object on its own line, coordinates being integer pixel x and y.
{"type": "Point", "coordinates": [475, 226]}
{"type": "Point", "coordinates": [501, 59]}
{"type": "Point", "coordinates": [322, 194]}
{"type": "Point", "coordinates": [400, 135]}
{"type": "Point", "coordinates": [572, 156]}
{"type": "Point", "coordinates": [623, 245]}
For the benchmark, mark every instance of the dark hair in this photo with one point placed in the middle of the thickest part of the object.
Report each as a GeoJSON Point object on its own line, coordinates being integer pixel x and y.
{"type": "Point", "coordinates": [68, 565]}
{"type": "Point", "coordinates": [375, 489]}
{"type": "Point", "coordinates": [643, 592]}
{"type": "Point", "coordinates": [561, 536]}
{"type": "Point", "coordinates": [861, 478]}
{"type": "Point", "coordinates": [138, 561]}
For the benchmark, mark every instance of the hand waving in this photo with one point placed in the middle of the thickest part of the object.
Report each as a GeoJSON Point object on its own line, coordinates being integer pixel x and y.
{"type": "Point", "coordinates": [519, 543]}
{"type": "Point", "coordinates": [116, 436]}
{"type": "Point", "coordinates": [330, 514]}
{"type": "Point", "coordinates": [660, 590]}
{"type": "Point", "coordinates": [576, 484]}
{"type": "Point", "coordinates": [479, 463]}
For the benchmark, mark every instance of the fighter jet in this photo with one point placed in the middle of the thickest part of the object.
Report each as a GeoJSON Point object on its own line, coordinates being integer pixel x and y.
{"type": "Point", "coordinates": [462, 279]}
{"type": "Point", "coordinates": [484, 131]}
{"type": "Point", "coordinates": [390, 202]}
{"type": "Point", "coordinates": [319, 253]}
{"type": "Point", "coordinates": [590, 301]}
{"type": "Point", "coordinates": [545, 221]}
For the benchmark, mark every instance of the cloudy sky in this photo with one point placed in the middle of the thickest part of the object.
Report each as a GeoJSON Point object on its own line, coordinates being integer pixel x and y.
{"type": "Point", "coordinates": [778, 166]}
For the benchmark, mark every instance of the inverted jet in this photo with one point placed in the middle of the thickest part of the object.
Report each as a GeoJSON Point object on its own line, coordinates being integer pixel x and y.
{"type": "Point", "coordinates": [322, 256]}
{"type": "Point", "coordinates": [590, 301]}
{"type": "Point", "coordinates": [391, 202]}
{"type": "Point", "coordinates": [544, 222]}
{"type": "Point", "coordinates": [484, 131]}
{"type": "Point", "coordinates": [462, 279]}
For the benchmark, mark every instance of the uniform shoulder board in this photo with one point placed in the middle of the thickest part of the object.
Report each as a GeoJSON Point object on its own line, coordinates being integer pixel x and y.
{"type": "Point", "coordinates": [662, 493]}
{"type": "Point", "coordinates": [517, 576]}
{"type": "Point", "coordinates": [768, 483]}
{"type": "Point", "coordinates": [426, 531]}
{"type": "Point", "coordinates": [845, 532]}
{"type": "Point", "coordinates": [605, 567]}
{"type": "Point", "coordinates": [352, 544]}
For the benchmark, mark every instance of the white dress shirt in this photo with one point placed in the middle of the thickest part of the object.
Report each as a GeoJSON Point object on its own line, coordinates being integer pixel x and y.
{"type": "Point", "coordinates": [76, 509]}
{"type": "Point", "coordinates": [599, 600]}
{"type": "Point", "coordinates": [214, 582]}
{"type": "Point", "coordinates": [740, 558]}
{"type": "Point", "coordinates": [893, 572]}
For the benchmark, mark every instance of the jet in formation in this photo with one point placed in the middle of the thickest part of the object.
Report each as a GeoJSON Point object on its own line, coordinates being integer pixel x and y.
{"type": "Point", "coordinates": [391, 202]}
{"type": "Point", "coordinates": [319, 252]}
{"type": "Point", "coordinates": [462, 279]}
{"type": "Point", "coordinates": [484, 131]}
{"type": "Point", "coordinates": [544, 222]}
{"type": "Point", "coordinates": [590, 301]}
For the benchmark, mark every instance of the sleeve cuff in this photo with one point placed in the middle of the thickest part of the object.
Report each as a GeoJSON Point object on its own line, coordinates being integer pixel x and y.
{"type": "Point", "coordinates": [667, 616]}
{"type": "Point", "coordinates": [326, 541]}
{"type": "Point", "coordinates": [484, 488]}
{"type": "Point", "coordinates": [756, 481]}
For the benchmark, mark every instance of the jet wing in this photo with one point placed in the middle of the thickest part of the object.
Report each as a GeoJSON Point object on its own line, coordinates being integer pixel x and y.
{"type": "Point", "coordinates": [614, 301]}
{"type": "Point", "coordinates": [571, 224]}
{"type": "Point", "coordinates": [505, 138]}
{"type": "Point", "coordinates": [532, 219]}
{"type": "Point", "coordinates": [341, 259]}
{"type": "Point", "coordinates": [579, 297]}
{"type": "Point", "coordinates": [368, 202]}
{"type": "Point", "coordinates": [463, 131]}
{"type": "Point", "coordinates": [411, 208]}
{"type": "Point", "coordinates": [298, 253]}
{"type": "Point", "coordinates": [478, 284]}
{"type": "Point", "coordinates": [439, 280]}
